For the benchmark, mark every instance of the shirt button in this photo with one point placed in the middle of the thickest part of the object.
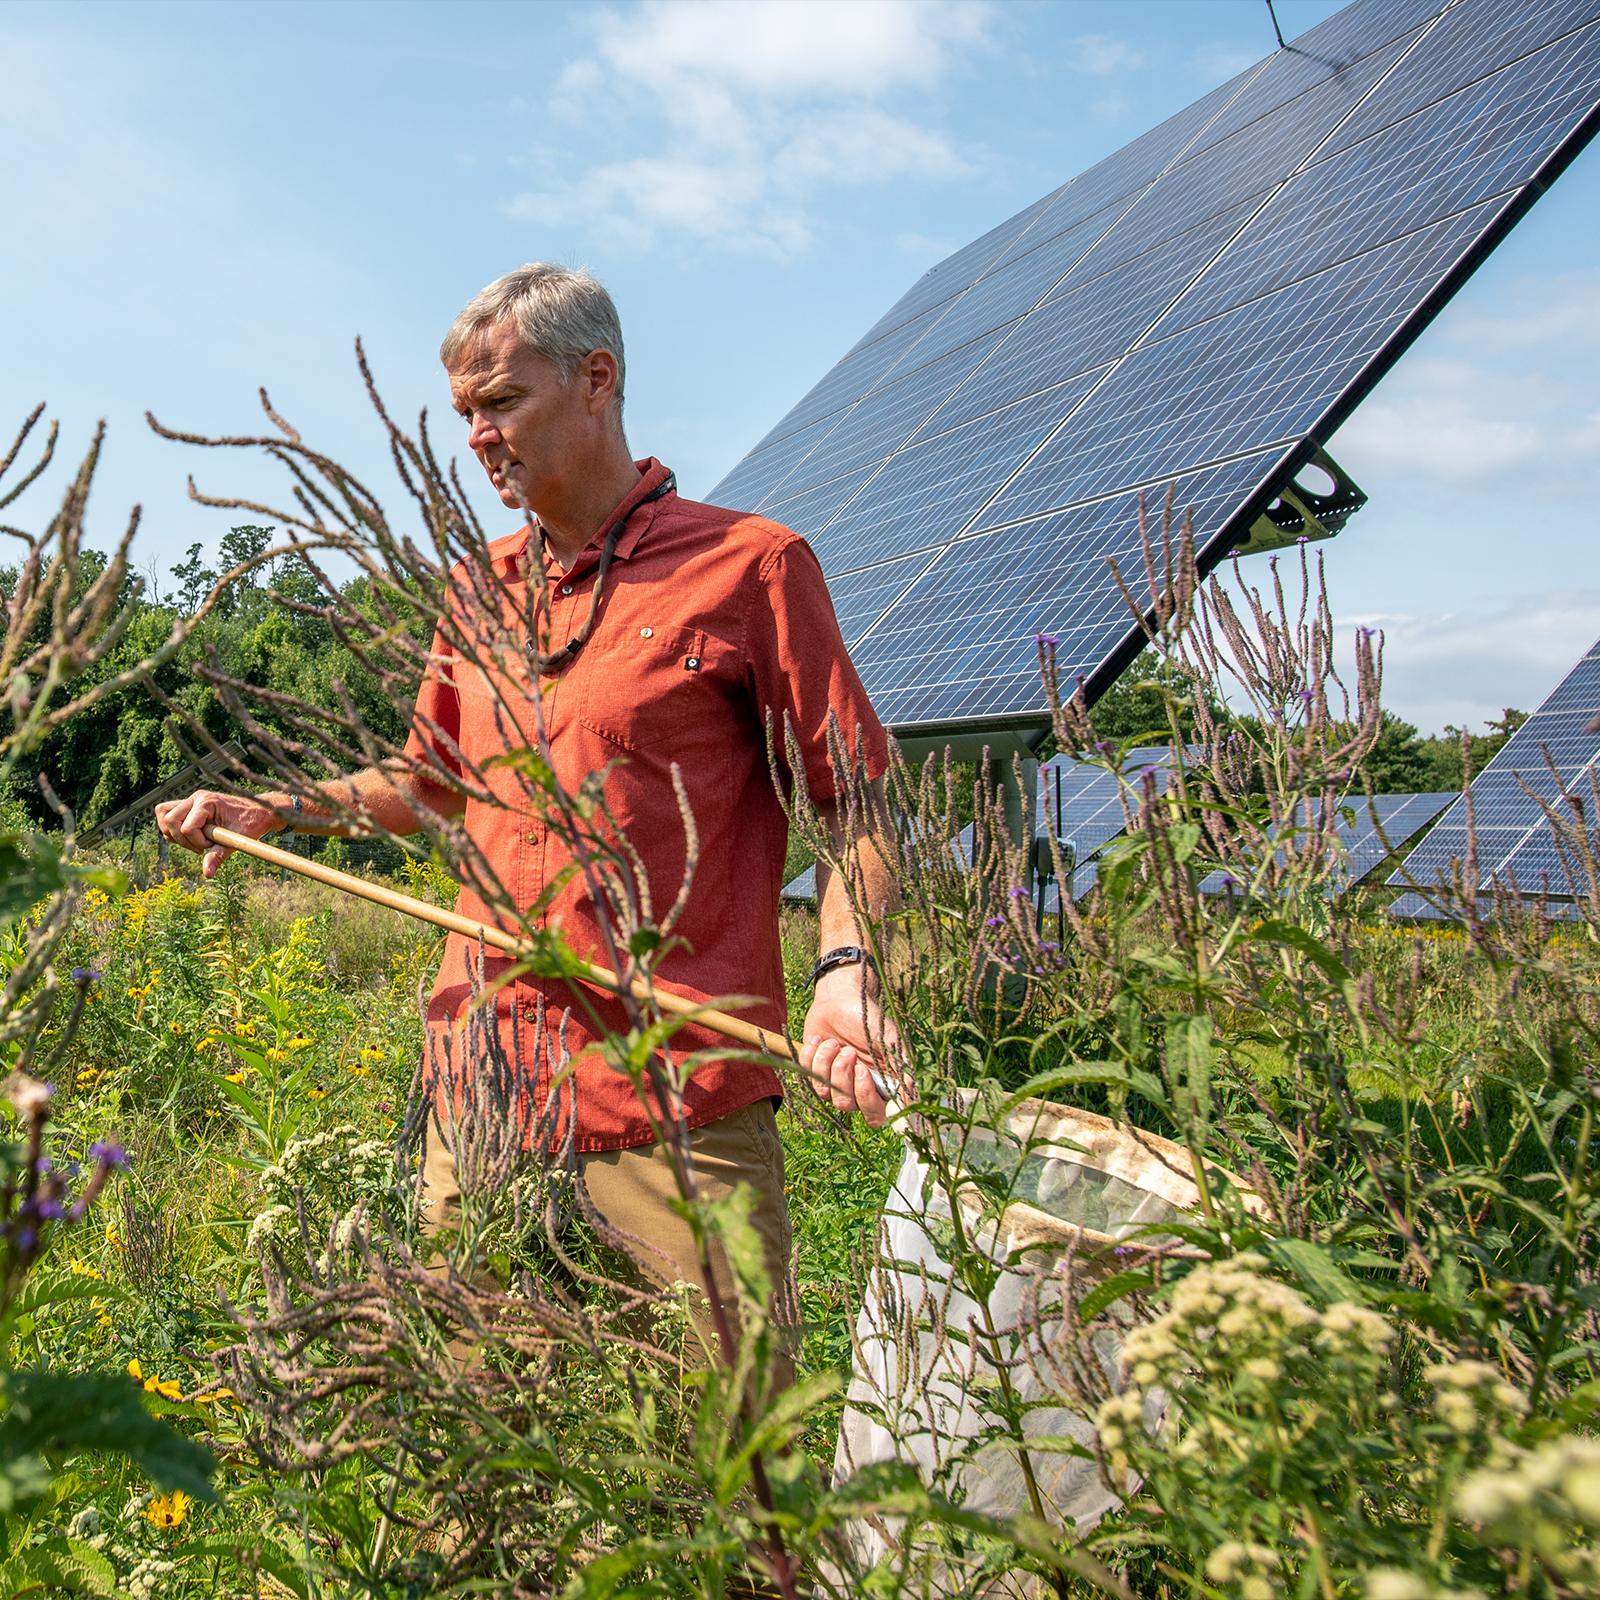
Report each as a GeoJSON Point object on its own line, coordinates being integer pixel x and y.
{"type": "Point", "coordinates": [645, 633]}
{"type": "Point", "coordinates": [533, 838]}
{"type": "Point", "coordinates": [566, 588]}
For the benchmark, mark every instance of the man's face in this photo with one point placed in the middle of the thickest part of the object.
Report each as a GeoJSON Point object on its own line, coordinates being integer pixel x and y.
{"type": "Point", "coordinates": [526, 422]}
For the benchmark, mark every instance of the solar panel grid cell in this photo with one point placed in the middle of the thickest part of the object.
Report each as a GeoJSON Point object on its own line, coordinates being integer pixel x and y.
{"type": "Point", "coordinates": [926, 493]}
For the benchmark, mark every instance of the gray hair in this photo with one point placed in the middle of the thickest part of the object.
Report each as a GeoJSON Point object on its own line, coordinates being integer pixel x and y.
{"type": "Point", "coordinates": [562, 313]}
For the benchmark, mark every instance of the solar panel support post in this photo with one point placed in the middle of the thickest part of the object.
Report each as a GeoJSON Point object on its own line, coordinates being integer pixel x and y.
{"type": "Point", "coordinates": [1301, 512]}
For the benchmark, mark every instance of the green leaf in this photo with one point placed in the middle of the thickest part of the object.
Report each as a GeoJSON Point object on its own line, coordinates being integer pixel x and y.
{"type": "Point", "coordinates": [1316, 1268]}
{"type": "Point", "coordinates": [59, 1564]}
{"type": "Point", "coordinates": [1189, 1066]}
{"type": "Point", "coordinates": [1309, 946]}
{"type": "Point", "coordinates": [56, 1415]}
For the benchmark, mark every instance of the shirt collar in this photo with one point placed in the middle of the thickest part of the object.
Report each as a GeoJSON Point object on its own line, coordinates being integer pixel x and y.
{"type": "Point", "coordinates": [636, 511]}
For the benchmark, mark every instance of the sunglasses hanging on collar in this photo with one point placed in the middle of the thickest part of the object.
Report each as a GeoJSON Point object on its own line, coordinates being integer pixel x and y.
{"type": "Point", "coordinates": [548, 662]}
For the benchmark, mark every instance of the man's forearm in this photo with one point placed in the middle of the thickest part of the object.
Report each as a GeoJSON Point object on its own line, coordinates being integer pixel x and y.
{"type": "Point", "coordinates": [393, 799]}
{"type": "Point", "coordinates": [839, 921]}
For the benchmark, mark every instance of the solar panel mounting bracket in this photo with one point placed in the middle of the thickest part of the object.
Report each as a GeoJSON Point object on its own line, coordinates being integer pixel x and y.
{"type": "Point", "coordinates": [1301, 512]}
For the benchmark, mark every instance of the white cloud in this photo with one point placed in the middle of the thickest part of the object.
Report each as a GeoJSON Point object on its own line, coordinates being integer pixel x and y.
{"type": "Point", "coordinates": [1101, 54]}
{"type": "Point", "coordinates": [1464, 667]}
{"type": "Point", "coordinates": [1563, 309]}
{"type": "Point", "coordinates": [748, 111]}
{"type": "Point", "coordinates": [1474, 424]}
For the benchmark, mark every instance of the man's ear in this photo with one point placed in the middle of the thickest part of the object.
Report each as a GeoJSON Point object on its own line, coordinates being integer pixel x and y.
{"type": "Point", "coordinates": [598, 374]}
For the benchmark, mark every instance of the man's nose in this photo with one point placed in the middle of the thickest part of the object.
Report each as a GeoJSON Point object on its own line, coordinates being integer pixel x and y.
{"type": "Point", "coordinates": [482, 432]}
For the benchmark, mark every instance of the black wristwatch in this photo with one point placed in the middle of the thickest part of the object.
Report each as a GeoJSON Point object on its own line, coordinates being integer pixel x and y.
{"type": "Point", "coordinates": [844, 955]}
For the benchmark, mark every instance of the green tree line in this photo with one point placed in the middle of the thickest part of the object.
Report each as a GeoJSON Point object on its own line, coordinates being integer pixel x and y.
{"type": "Point", "coordinates": [109, 755]}
{"type": "Point", "coordinates": [117, 750]}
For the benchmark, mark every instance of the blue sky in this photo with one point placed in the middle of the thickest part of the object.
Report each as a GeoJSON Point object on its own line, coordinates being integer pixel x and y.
{"type": "Point", "coordinates": [204, 198]}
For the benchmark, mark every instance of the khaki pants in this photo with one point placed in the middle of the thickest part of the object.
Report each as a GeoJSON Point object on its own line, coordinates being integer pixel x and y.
{"type": "Point", "coordinates": [634, 1189]}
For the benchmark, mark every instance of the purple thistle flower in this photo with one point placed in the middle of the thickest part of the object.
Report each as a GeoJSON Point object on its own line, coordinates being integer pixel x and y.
{"type": "Point", "coordinates": [107, 1154]}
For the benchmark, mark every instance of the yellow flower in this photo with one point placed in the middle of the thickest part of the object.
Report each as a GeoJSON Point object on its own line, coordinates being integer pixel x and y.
{"type": "Point", "coordinates": [246, 1030]}
{"type": "Point", "coordinates": [135, 992]}
{"type": "Point", "coordinates": [360, 1072]}
{"type": "Point", "coordinates": [371, 1052]}
{"type": "Point", "coordinates": [104, 1319]}
{"type": "Point", "coordinates": [213, 1397]}
{"type": "Point", "coordinates": [275, 1054]}
{"type": "Point", "coordinates": [135, 1371]}
{"type": "Point", "coordinates": [300, 1042]}
{"type": "Point", "coordinates": [113, 1237]}
{"type": "Point", "coordinates": [234, 1077]}
{"type": "Point", "coordinates": [316, 1094]}
{"type": "Point", "coordinates": [168, 1510]}
{"type": "Point", "coordinates": [205, 1043]}
{"type": "Point", "coordinates": [168, 1388]}
{"type": "Point", "coordinates": [176, 1028]}
{"type": "Point", "coordinates": [83, 1269]}
{"type": "Point", "coordinates": [89, 1074]}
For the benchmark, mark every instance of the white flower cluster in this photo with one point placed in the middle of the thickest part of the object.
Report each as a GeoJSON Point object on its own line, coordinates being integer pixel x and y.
{"type": "Point", "coordinates": [1547, 1499]}
{"type": "Point", "coordinates": [1229, 1328]}
{"type": "Point", "coordinates": [276, 1222]}
{"type": "Point", "coordinates": [1253, 1567]}
{"type": "Point", "coordinates": [145, 1582]}
{"type": "Point", "coordinates": [1390, 1583]}
{"type": "Point", "coordinates": [1472, 1397]}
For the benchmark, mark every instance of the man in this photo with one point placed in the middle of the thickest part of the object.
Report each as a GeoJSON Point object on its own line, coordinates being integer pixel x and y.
{"type": "Point", "coordinates": [673, 635]}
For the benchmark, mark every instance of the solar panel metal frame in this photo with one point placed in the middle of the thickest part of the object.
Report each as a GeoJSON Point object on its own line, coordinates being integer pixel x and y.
{"type": "Point", "coordinates": [1426, 15]}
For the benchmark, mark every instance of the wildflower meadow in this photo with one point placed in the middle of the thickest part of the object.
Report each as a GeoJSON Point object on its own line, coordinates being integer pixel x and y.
{"type": "Point", "coordinates": [1353, 1352]}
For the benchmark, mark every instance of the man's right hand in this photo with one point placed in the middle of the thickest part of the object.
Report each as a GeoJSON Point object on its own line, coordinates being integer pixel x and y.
{"type": "Point", "coordinates": [185, 822]}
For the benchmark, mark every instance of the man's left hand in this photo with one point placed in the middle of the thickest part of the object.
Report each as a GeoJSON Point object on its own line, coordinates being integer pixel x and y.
{"type": "Point", "coordinates": [846, 1040]}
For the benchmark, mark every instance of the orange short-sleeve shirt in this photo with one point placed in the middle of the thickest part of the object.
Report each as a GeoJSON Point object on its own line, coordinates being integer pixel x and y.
{"type": "Point", "coordinates": [710, 623]}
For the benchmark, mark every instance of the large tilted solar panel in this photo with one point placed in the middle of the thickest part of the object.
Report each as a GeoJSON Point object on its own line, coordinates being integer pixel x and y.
{"type": "Point", "coordinates": [1515, 841]}
{"type": "Point", "coordinates": [1366, 834]}
{"type": "Point", "coordinates": [1200, 309]}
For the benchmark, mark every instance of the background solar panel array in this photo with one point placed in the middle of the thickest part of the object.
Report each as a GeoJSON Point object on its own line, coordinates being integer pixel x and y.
{"type": "Point", "coordinates": [1515, 841]}
{"type": "Point", "coordinates": [1366, 837]}
{"type": "Point", "coordinates": [1192, 310]}
{"type": "Point", "coordinates": [1083, 798]}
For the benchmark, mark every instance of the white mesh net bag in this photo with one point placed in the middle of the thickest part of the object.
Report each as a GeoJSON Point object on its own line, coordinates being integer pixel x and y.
{"type": "Point", "coordinates": [931, 1359]}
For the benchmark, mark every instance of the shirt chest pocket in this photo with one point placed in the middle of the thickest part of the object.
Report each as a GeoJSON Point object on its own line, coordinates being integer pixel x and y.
{"type": "Point", "coordinates": [648, 687]}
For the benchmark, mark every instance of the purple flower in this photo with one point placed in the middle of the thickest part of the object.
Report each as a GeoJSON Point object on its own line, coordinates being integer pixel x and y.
{"type": "Point", "coordinates": [1366, 633]}
{"type": "Point", "coordinates": [26, 1239]}
{"type": "Point", "coordinates": [85, 975]}
{"type": "Point", "coordinates": [1048, 639]}
{"type": "Point", "coordinates": [1229, 881]}
{"type": "Point", "coordinates": [994, 922]}
{"type": "Point", "coordinates": [1302, 539]}
{"type": "Point", "coordinates": [50, 1210]}
{"type": "Point", "coordinates": [1049, 944]}
{"type": "Point", "coordinates": [43, 1164]}
{"type": "Point", "coordinates": [1019, 893]}
{"type": "Point", "coordinates": [1305, 697]}
{"type": "Point", "coordinates": [1148, 768]}
{"type": "Point", "coordinates": [110, 1155]}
